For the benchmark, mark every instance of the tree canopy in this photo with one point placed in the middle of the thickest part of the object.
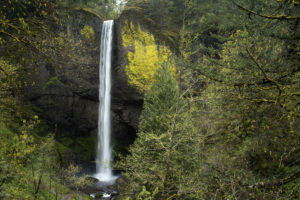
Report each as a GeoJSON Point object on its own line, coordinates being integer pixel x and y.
{"type": "Point", "coordinates": [239, 60]}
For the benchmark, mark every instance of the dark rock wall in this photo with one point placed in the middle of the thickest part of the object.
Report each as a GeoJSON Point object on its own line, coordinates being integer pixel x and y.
{"type": "Point", "coordinates": [126, 101]}
{"type": "Point", "coordinates": [66, 96]}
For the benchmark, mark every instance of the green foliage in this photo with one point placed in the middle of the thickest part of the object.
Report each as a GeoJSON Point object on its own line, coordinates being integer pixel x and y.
{"type": "Point", "coordinates": [240, 64]}
{"type": "Point", "coordinates": [165, 16]}
{"type": "Point", "coordinates": [161, 155]}
{"type": "Point", "coordinates": [29, 169]}
{"type": "Point", "coordinates": [230, 131]}
{"type": "Point", "coordinates": [145, 195]}
{"type": "Point", "coordinates": [35, 31]}
{"type": "Point", "coordinates": [249, 103]}
{"type": "Point", "coordinates": [70, 176]}
{"type": "Point", "coordinates": [32, 33]}
{"type": "Point", "coordinates": [8, 87]}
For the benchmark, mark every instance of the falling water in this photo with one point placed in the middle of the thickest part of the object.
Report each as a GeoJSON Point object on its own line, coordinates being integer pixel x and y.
{"type": "Point", "coordinates": [103, 162]}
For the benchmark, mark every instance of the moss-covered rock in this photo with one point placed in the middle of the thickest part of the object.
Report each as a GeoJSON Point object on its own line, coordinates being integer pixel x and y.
{"type": "Point", "coordinates": [88, 32]}
{"type": "Point", "coordinates": [79, 149]}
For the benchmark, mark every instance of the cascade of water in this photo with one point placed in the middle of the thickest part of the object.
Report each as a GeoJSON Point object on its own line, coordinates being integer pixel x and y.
{"type": "Point", "coordinates": [103, 161]}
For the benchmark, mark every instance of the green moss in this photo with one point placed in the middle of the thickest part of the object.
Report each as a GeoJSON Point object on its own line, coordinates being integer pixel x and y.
{"type": "Point", "coordinates": [88, 32]}
{"type": "Point", "coordinates": [81, 146]}
{"type": "Point", "coordinates": [84, 148]}
{"type": "Point", "coordinates": [54, 80]}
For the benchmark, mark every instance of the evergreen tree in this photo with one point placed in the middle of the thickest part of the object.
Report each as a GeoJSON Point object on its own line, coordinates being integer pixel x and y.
{"type": "Point", "coordinates": [249, 110]}
{"type": "Point", "coordinates": [245, 57]}
{"type": "Point", "coordinates": [163, 153]}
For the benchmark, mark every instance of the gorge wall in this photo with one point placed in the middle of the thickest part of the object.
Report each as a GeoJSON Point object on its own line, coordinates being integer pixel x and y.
{"type": "Point", "coordinates": [66, 95]}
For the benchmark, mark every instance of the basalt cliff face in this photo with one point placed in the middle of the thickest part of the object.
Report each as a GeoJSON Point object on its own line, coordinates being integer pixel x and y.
{"type": "Point", "coordinates": [66, 95]}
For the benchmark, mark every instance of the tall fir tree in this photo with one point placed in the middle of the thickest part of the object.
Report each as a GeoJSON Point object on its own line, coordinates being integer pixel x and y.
{"type": "Point", "coordinates": [163, 153]}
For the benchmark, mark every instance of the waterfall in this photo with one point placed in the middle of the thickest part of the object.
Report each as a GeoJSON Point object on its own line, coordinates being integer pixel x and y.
{"type": "Point", "coordinates": [104, 158]}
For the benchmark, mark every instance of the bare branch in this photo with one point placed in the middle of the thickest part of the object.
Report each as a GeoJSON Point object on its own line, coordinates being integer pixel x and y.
{"type": "Point", "coordinates": [277, 17]}
{"type": "Point", "coordinates": [264, 73]}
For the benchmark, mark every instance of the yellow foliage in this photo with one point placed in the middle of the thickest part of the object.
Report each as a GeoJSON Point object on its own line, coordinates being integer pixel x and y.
{"type": "Point", "coordinates": [146, 57]}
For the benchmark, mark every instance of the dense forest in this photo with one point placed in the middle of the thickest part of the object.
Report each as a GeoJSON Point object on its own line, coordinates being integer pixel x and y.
{"type": "Point", "coordinates": [220, 82]}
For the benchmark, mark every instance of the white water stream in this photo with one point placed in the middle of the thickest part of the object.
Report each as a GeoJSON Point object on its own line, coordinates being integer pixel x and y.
{"type": "Point", "coordinates": [104, 155]}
